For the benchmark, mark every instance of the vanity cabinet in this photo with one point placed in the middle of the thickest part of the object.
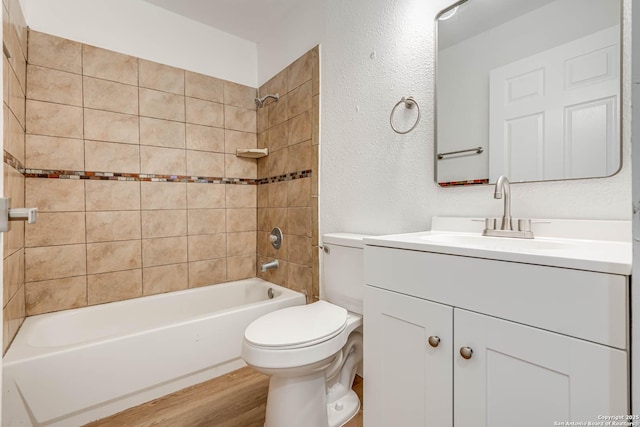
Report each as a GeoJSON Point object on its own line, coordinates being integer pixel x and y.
{"type": "Point", "coordinates": [518, 344]}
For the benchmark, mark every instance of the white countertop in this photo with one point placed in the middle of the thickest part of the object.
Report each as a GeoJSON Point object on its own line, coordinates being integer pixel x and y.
{"type": "Point", "coordinates": [600, 246]}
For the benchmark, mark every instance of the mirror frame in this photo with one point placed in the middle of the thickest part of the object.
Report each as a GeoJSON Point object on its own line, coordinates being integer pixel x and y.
{"type": "Point", "coordinates": [477, 182]}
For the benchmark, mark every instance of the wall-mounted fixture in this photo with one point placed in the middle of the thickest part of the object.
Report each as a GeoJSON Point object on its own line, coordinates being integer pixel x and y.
{"type": "Point", "coordinates": [16, 214]}
{"type": "Point", "coordinates": [252, 153]}
{"type": "Point", "coordinates": [276, 238]}
{"type": "Point", "coordinates": [260, 101]}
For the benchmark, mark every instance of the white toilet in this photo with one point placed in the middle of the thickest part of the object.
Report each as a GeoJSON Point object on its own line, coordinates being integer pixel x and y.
{"type": "Point", "coordinates": [312, 351]}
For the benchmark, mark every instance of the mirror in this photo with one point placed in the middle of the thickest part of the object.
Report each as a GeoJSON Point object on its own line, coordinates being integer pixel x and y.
{"type": "Point", "coordinates": [529, 89]}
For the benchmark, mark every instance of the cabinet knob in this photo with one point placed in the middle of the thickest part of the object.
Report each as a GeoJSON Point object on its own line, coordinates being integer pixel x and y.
{"type": "Point", "coordinates": [434, 341]}
{"type": "Point", "coordinates": [466, 352]}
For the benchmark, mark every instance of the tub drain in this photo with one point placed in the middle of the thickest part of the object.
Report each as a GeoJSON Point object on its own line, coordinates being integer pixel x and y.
{"type": "Point", "coordinates": [270, 293]}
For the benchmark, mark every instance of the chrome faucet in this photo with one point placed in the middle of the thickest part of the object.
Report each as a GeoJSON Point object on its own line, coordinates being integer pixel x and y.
{"type": "Point", "coordinates": [503, 227]}
{"type": "Point", "coordinates": [503, 187]}
{"type": "Point", "coordinates": [268, 265]}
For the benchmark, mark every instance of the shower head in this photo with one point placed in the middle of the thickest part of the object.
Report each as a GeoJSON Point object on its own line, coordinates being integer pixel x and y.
{"type": "Point", "coordinates": [260, 101]}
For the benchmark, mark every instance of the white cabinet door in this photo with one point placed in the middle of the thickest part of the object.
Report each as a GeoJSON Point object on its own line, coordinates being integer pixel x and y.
{"type": "Point", "coordinates": [407, 380]}
{"type": "Point", "coordinates": [528, 377]}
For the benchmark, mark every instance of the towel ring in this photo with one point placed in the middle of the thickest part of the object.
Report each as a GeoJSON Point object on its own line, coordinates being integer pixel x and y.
{"type": "Point", "coordinates": [409, 103]}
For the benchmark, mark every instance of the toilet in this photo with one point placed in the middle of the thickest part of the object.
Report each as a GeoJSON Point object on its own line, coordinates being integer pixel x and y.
{"type": "Point", "coordinates": [312, 352]}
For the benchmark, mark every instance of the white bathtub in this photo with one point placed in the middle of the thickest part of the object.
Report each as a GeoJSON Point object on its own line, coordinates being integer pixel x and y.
{"type": "Point", "coordinates": [73, 367]}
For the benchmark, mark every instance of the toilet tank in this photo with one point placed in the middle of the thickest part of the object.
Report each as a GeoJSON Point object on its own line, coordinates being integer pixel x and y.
{"type": "Point", "coordinates": [343, 270]}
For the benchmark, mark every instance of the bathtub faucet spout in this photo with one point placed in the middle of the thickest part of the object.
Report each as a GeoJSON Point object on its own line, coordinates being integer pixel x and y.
{"type": "Point", "coordinates": [268, 265]}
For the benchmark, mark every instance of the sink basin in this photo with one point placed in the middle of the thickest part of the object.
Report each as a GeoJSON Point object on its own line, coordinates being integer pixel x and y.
{"type": "Point", "coordinates": [496, 243]}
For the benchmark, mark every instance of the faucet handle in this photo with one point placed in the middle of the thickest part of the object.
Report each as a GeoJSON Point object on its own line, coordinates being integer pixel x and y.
{"type": "Point", "coordinates": [490, 223]}
{"type": "Point", "coordinates": [524, 225]}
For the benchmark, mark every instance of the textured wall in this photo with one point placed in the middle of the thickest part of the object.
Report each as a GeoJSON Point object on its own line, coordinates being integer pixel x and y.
{"type": "Point", "coordinates": [375, 181]}
{"type": "Point", "coordinates": [146, 31]}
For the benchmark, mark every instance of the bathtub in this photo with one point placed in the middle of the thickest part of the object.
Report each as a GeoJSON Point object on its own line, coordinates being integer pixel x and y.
{"type": "Point", "coordinates": [75, 366]}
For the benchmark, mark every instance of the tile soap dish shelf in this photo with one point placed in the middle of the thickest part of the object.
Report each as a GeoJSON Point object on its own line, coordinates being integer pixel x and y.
{"type": "Point", "coordinates": [252, 153]}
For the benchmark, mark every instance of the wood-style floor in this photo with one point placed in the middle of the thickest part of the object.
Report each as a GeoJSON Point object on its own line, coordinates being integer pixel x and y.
{"type": "Point", "coordinates": [237, 399]}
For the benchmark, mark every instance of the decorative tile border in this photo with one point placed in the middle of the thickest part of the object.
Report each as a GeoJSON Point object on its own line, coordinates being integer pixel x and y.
{"type": "Point", "coordinates": [113, 176]}
{"type": "Point", "coordinates": [458, 183]}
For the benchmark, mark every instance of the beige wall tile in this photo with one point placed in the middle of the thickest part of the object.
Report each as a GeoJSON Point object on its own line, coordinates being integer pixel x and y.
{"type": "Point", "coordinates": [206, 221]}
{"type": "Point", "coordinates": [300, 156]}
{"type": "Point", "coordinates": [300, 278]}
{"type": "Point", "coordinates": [263, 219]}
{"type": "Point", "coordinates": [239, 119]}
{"type": "Point", "coordinates": [241, 220]}
{"type": "Point", "coordinates": [13, 240]}
{"type": "Point", "coordinates": [162, 105]}
{"type": "Point", "coordinates": [163, 251]}
{"type": "Point", "coordinates": [299, 221]}
{"type": "Point", "coordinates": [44, 118]}
{"type": "Point", "coordinates": [276, 84]}
{"type": "Point", "coordinates": [163, 195]}
{"type": "Point", "coordinates": [235, 139]}
{"type": "Point", "coordinates": [12, 274]}
{"type": "Point", "coordinates": [112, 226]}
{"type": "Point", "coordinates": [277, 217]}
{"type": "Point", "coordinates": [162, 161]}
{"type": "Point", "coordinates": [300, 127]}
{"type": "Point", "coordinates": [275, 164]}
{"type": "Point", "coordinates": [54, 262]}
{"type": "Point", "coordinates": [241, 196]}
{"type": "Point", "coordinates": [47, 84]}
{"type": "Point", "coordinates": [112, 195]}
{"type": "Point", "coordinates": [239, 95]}
{"type": "Point", "coordinates": [241, 267]}
{"type": "Point", "coordinates": [278, 111]}
{"type": "Point", "coordinates": [203, 87]}
{"type": "Point", "coordinates": [118, 286]}
{"type": "Point", "coordinates": [299, 249]}
{"type": "Point", "coordinates": [205, 196]}
{"type": "Point", "coordinates": [264, 247]}
{"type": "Point", "coordinates": [161, 77]}
{"type": "Point", "coordinates": [59, 228]}
{"type": "Point", "coordinates": [112, 127]}
{"type": "Point", "coordinates": [243, 243]}
{"type": "Point", "coordinates": [165, 278]}
{"type": "Point", "coordinates": [13, 135]}
{"type": "Point", "coordinates": [315, 70]}
{"type": "Point", "coordinates": [55, 195]}
{"type": "Point", "coordinates": [207, 246]}
{"type": "Point", "coordinates": [12, 316]}
{"type": "Point", "coordinates": [205, 138]}
{"type": "Point", "coordinates": [48, 152]}
{"type": "Point", "coordinates": [164, 223]}
{"type": "Point", "coordinates": [114, 256]}
{"type": "Point", "coordinates": [278, 136]}
{"type": "Point", "coordinates": [55, 295]}
{"type": "Point", "coordinates": [203, 112]}
{"type": "Point", "coordinates": [300, 71]}
{"type": "Point", "coordinates": [277, 194]}
{"type": "Point", "coordinates": [110, 96]}
{"type": "Point", "coordinates": [315, 119]}
{"type": "Point", "coordinates": [262, 118]}
{"type": "Point", "coordinates": [209, 272]}
{"type": "Point", "coordinates": [111, 157]}
{"type": "Point", "coordinates": [299, 192]}
{"type": "Point", "coordinates": [162, 133]}
{"type": "Point", "coordinates": [203, 163]}
{"type": "Point", "coordinates": [55, 52]}
{"type": "Point", "coordinates": [300, 99]}
{"type": "Point", "coordinates": [263, 196]}
{"type": "Point", "coordinates": [16, 98]}
{"type": "Point", "coordinates": [109, 65]}
{"type": "Point", "coordinates": [239, 167]}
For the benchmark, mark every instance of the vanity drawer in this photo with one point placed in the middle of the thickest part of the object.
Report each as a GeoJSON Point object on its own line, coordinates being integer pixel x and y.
{"type": "Point", "coordinates": [582, 304]}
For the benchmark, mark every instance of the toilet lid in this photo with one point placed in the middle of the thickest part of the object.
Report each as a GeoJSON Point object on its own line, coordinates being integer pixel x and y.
{"type": "Point", "coordinates": [297, 326]}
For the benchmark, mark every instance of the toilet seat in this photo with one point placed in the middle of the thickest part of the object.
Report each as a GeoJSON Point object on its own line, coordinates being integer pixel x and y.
{"type": "Point", "coordinates": [297, 327]}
